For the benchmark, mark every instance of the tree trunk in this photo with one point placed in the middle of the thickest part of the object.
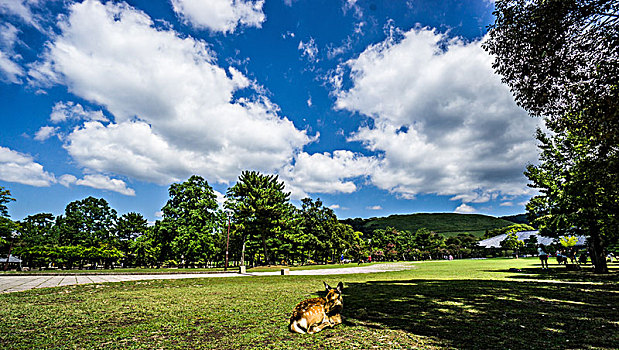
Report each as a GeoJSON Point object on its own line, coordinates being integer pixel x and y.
{"type": "Point", "coordinates": [243, 253]}
{"type": "Point", "coordinates": [597, 253]}
{"type": "Point", "coordinates": [264, 246]}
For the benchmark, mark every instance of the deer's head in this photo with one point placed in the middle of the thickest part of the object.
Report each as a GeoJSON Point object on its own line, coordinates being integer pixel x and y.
{"type": "Point", "coordinates": [334, 296]}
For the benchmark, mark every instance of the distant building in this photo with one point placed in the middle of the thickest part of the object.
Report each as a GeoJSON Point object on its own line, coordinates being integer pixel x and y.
{"type": "Point", "coordinates": [13, 261]}
{"type": "Point", "coordinates": [495, 242]}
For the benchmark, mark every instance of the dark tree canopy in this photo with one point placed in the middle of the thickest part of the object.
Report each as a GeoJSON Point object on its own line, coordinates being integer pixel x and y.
{"type": "Point", "coordinates": [5, 198]}
{"type": "Point", "coordinates": [579, 191]}
{"type": "Point", "coordinates": [189, 220]}
{"type": "Point", "coordinates": [88, 222]}
{"type": "Point", "coordinates": [261, 209]}
{"type": "Point", "coordinates": [561, 60]}
{"type": "Point", "coordinates": [38, 229]}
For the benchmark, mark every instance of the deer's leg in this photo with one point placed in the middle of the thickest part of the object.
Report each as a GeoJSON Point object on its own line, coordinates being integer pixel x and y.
{"type": "Point", "coordinates": [319, 327]}
{"type": "Point", "coordinates": [335, 319]}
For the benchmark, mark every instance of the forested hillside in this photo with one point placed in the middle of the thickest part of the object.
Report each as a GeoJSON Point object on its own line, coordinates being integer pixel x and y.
{"type": "Point", "coordinates": [517, 219]}
{"type": "Point", "coordinates": [447, 224]}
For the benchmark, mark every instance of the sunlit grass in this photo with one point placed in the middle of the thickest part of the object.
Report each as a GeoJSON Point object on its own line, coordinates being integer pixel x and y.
{"type": "Point", "coordinates": [474, 304]}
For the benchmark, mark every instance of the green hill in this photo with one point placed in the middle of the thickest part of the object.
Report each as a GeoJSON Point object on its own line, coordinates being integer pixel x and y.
{"type": "Point", "coordinates": [447, 224]}
{"type": "Point", "coordinates": [518, 219]}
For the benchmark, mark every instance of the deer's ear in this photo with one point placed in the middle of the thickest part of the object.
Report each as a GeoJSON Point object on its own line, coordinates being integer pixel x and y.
{"type": "Point", "coordinates": [340, 286]}
{"type": "Point", "coordinates": [327, 286]}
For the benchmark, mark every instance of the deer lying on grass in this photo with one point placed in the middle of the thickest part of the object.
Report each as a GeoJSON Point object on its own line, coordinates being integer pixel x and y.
{"type": "Point", "coordinates": [313, 315]}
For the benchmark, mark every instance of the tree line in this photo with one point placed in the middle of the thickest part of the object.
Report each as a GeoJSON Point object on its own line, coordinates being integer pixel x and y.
{"type": "Point", "coordinates": [257, 225]}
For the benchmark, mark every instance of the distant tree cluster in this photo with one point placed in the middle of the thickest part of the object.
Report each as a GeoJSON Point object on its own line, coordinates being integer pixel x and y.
{"type": "Point", "coordinates": [264, 228]}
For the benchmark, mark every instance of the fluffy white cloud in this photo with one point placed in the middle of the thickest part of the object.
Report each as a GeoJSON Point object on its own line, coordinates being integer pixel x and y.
{"type": "Point", "coordinates": [97, 181]}
{"type": "Point", "coordinates": [173, 106]}
{"type": "Point", "coordinates": [21, 168]}
{"type": "Point", "coordinates": [103, 182]}
{"type": "Point", "coordinates": [308, 49]}
{"type": "Point", "coordinates": [67, 180]}
{"type": "Point", "coordinates": [21, 9]}
{"type": "Point", "coordinates": [63, 111]}
{"type": "Point", "coordinates": [375, 207]}
{"type": "Point", "coordinates": [9, 70]}
{"type": "Point", "coordinates": [443, 121]}
{"type": "Point", "coordinates": [45, 132]}
{"type": "Point", "coordinates": [220, 15]}
{"type": "Point", "coordinates": [464, 209]}
{"type": "Point", "coordinates": [326, 172]}
{"type": "Point", "coordinates": [8, 36]}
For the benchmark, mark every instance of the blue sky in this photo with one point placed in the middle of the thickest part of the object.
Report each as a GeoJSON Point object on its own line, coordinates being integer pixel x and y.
{"type": "Point", "coordinates": [375, 107]}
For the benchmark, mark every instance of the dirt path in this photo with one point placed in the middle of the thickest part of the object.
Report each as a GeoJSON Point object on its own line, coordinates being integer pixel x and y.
{"type": "Point", "coordinates": [10, 283]}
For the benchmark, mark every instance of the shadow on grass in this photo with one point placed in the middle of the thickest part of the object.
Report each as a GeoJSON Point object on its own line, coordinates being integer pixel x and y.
{"type": "Point", "coordinates": [489, 314]}
{"type": "Point", "coordinates": [561, 273]}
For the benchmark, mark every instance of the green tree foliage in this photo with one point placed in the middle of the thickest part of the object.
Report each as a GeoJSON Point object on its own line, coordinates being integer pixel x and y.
{"type": "Point", "coordinates": [391, 244]}
{"type": "Point", "coordinates": [38, 229]}
{"type": "Point", "coordinates": [462, 245]}
{"type": "Point", "coordinates": [129, 227]}
{"type": "Point", "coordinates": [144, 250]}
{"type": "Point", "coordinates": [261, 212]}
{"type": "Point", "coordinates": [560, 59]}
{"type": "Point", "coordinates": [428, 244]}
{"type": "Point", "coordinates": [512, 242]}
{"type": "Point", "coordinates": [5, 198]}
{"type": "Point", "coordinates": [321, 234]}
{"type": "Point", "coordinates": [8, 230]}
{"type": "Point", "coordinates": [568, 241]}
{"type": "Point", "coordinates": [530, 245]}
{"type": "Point", "coordinates": [89, 222]}
{"type": "Point", "coordinates": [7, 226]}
{"type": "Point", "coordinates": [189, 220]}
{"type": "Point", "coordinates": [579, 191]}
{"type": "Point", "coordinates": [508, 229]}
{"type": "Point", "coordinates": [69, 256]}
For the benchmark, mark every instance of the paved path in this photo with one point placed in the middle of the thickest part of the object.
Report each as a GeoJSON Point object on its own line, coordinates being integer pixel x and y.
{"type": "Point", "coordinates": [10, 283]}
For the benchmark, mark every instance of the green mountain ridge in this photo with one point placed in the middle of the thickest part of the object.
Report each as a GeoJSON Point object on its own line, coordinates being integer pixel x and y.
{"type": "Point", "coordinates": [447, 224]}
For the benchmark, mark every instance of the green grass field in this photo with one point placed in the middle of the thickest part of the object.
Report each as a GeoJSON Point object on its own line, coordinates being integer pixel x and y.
{"type": "Point", "coordinates": [468, 304]}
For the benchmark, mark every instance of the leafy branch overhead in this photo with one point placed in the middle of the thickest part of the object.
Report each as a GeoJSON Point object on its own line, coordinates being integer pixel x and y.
{"type": "Point", "coordinates": [561, 60]}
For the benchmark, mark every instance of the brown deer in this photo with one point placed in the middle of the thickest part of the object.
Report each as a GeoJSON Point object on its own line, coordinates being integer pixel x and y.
{"type": "Point", "coordinates": [313, 315]}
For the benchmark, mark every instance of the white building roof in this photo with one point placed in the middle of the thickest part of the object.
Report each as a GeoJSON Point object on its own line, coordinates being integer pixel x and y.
{"type": "Point", "coordinates": [495, 242]}
{"type": "Point", "coordinates": [12, 259]}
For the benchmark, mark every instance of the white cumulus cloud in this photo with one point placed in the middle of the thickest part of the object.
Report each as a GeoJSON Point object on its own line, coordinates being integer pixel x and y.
{"type": "Point", "coordinates": [172, 105]}
{"type": "Point", "coordinates": [67, 180]}
{"type": "Point", "coordinates": [326, 172]}
{"type": "Point", "coordinates": [45, 132]}
{"type": "Point", "coordinates": [63, 111]}
{"type": "Point", "coordinates": [97, 181]}
{"type": "Point", "coordinates": [464, 209]}
{"type": "Point", "coordinates": [10, 71]}
{"type": "Point", "coordinates": [443, 121]}
{"type": "Point", "coordinates": [220, 15]}
{"type": "Point", "coordinates": [103, 182]}
{"type": "Point", "coordinates": [21, 168]}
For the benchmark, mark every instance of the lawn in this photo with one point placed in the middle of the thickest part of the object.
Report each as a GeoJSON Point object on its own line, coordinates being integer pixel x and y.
{"type": "Point", "coordinates": [470, 304]}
